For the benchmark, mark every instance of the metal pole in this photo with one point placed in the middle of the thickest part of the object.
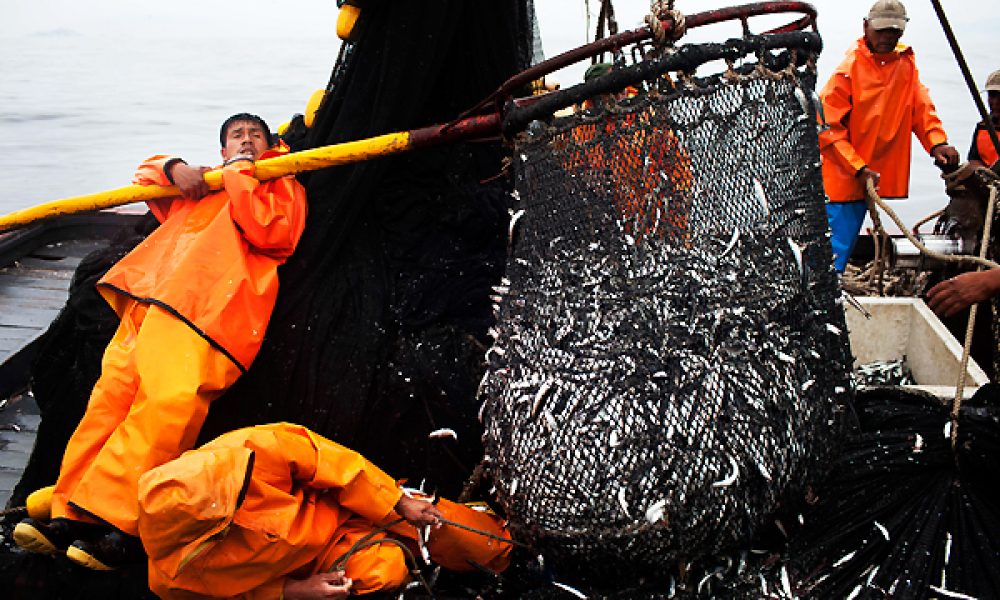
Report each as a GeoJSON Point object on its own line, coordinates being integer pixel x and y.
{"type": "Point", "coordinates": [966, 73]}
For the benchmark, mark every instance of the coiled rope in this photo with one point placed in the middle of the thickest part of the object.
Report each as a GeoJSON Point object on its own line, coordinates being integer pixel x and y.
{"type": "Point", "coordinates": [658, 11]}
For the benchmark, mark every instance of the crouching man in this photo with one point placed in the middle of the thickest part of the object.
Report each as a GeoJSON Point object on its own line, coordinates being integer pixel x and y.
{"type": "Point", "coordinates": [277, 511]}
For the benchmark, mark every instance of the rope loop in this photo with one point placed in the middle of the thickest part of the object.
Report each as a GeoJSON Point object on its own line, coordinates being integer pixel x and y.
{"type": "Point", "coordinates": [660, 10]}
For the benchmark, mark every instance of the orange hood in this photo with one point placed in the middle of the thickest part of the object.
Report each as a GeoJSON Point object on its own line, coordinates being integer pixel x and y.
{"type": "Point", "coordinates": [188, 501]}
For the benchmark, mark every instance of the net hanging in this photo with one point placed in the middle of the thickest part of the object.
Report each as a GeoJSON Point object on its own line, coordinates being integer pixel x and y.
{"type": "Point", "coordinates": [670, 352]}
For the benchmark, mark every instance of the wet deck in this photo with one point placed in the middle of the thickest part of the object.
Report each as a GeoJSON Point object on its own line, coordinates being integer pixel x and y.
{"type": "Point", "coordinates": [36, 268]}
{"type": "Point", "coordinates": [33, 289]}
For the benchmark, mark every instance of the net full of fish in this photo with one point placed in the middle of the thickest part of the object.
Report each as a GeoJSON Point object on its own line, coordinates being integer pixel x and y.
{"type": "Point", "coordinates": [670, 351]}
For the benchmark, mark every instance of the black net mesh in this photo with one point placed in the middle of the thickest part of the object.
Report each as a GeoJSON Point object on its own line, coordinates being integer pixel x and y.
{"type": "Point", "coordinates": [903, 515]}
{"type": "Point", "coordinates": [670, 352]}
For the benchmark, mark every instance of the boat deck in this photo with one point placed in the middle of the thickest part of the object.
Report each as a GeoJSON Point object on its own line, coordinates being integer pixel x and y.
{"type": "Point", "coordinates": [33, 289]}
{"type": "Point", "coordinates": [37, 264]}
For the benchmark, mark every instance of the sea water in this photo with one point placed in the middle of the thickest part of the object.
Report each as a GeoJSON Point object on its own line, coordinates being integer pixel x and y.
{"type": "Point", "coordinates": [81, 107]}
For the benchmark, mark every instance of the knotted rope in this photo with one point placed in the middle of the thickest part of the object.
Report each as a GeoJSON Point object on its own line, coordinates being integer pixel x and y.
{"type": "Point", "coordinates": [658, 11]}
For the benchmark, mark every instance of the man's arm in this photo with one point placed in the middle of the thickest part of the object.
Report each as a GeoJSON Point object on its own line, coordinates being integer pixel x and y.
{"type": "Point", "coordinates": [928, 127]}
{"type": "Point", "coordinates": [962, 291]}
{"type": "Point", "coordinates": [163, 169]}
{"type": "Point", "coordinates": [270, 215]}
{"type": "Point", "coordinates": [190, 180]}
{"type": "Point", "coordinates": [835, 143]}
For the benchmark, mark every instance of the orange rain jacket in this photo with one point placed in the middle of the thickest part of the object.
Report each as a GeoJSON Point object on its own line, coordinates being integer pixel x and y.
{"type": "Point", "coordinates": [983, 145]}
{"type": "Point", "coordinates": [651, 188]}
{"type": "Point", "coordinates": [872, 103]}
{"type": "Point", "coordinates": [213, 262]}
{"type": "Point", "coordinates": [237, 516]}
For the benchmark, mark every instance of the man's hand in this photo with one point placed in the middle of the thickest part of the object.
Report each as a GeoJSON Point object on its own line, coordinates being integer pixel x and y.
{"type": "Point", "coordinates": [189, 179]}
{"type": "Point", "coordinates": [864, 174]}
{"type": "Point", "coordinates": [320, 585]}
{"type": "Point", "coordinates": [418, 513]}
{"type": "Point", "coordinates": [962, 291]}
{"type": "Point", "coordinates": [945, 154]}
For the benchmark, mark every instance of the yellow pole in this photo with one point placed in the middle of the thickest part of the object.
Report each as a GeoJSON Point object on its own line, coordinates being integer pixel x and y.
{"type": "Point", "coordinates": [271, 168]}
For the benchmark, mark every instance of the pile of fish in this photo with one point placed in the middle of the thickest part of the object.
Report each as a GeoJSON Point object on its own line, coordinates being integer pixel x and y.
{"type": "Point", "coordinates": [644, 407]}
{"type": "Point", "coordinates": [670, 355]}
{"type": "Point", "coordinates": [884, 372]}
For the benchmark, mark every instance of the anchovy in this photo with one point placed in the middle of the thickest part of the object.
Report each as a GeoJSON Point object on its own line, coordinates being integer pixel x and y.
{"type": "Point", "coordinates": [444, 432]}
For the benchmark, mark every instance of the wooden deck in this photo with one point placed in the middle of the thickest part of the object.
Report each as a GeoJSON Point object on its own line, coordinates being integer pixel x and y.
{"type": "Point", "coordinates": [32, 292]}
{"type": "Point", "coordinates": [36, 269]}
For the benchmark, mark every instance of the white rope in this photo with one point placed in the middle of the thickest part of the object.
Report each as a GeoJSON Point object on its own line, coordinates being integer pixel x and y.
{"type": "Point", "coordinates": [973, 310]}
{"type": "Point", "coordinates": [659, 10]}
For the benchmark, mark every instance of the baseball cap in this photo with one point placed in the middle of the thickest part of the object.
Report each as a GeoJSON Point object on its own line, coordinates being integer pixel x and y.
{"type": "Point", "coordinates": [888, 14]}
{"type": "Point", "coordinates": [993, 82]}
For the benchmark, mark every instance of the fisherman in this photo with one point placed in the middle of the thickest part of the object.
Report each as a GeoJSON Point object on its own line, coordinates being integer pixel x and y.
{"type": "Point", "coordinates": [983, 153]}
{"type": "Point", "coordinates": [958, 293]}
{"type": "Point", "coordinates": [277, 511]}
{"type": "Point", "coordinates": [194, 301]}
{"type": "Point", "coordinates": [652, 189]}
{"type": "Point", "coordinates": [872, 102]}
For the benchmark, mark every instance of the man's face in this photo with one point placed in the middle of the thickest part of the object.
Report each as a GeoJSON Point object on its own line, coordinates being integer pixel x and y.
{"type": "Point", "coordinates": [245, 138]}
{"type": "Point", "coordinates": [993, 98]}
{"type": "Point", "coordinates": [882, 41]}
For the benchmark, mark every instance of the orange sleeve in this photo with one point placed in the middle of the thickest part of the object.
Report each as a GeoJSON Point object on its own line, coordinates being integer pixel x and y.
{"type": "Point", "coordinates": [151, 172]}
{"type": "Point", "coordinates": [271, 215]}
{"type": "Point", "coordinates": [835, 142]}
{"type": "Point", "coordinates": [274, 589]}
{"type": "Point", "coordinates": [926, 124]}
{"type": "Point", "coordinates": [319, 463]}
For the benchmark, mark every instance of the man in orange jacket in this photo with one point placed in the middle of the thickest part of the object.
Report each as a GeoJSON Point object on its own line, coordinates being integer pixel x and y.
{"type": "Point", "coordinates": [983, 153]}
{"type": "Point", "coordinates": [194, 300]}
{"type": "Point", "coordinates": [962, 291]}
{"type": "Point", "coordinates": [277, 511]}
{"type": "Point", "coordinates": [872, 102]}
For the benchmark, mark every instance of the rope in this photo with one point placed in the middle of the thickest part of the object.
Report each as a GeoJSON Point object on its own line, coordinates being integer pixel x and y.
{"type": "Point", "coordinates": [927, 219]}
{"type": "Point", "coordinates": [368, 540]}
{"type": "Point", "coordinates": [485, 534]}
{"type": "Point", "coordinates": [966, 348]}
{"type": "Point", "coordinates": [881, 246]}
{"type": "Point", "coordinates": [658, 11]}
{"type": "Point", "coordinates": [361, 545]}
{"type": "Point", "coordinates": [972, 260]}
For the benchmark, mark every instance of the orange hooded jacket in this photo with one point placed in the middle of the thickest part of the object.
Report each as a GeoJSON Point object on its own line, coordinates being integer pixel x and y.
{"type": "Point", "coordinates": [872, 103]}
{"type": "Point", "coordinates": [213, 262]}
{"type": "Point", "coordinates": [986, 152]}
{"type": "Point", "coordinates": [254, 506]}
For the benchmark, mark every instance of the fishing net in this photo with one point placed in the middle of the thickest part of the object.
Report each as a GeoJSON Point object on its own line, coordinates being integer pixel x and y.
{"type": "Point", "coordinates": [903, 514]}
{"type": "Point", "coordinates": [378, 334]}
{"type": "Point", "coordinates": [670, 352]}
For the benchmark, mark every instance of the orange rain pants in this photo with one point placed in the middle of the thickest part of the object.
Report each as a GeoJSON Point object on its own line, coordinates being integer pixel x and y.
{"type": "Point", "coordinates": [240, 515]}
{"type": "Point", "coordinates": [157, 379]}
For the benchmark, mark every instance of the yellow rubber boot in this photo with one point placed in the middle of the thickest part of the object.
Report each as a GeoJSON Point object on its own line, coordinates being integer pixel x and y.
{"type": "Point", "coordinates": [40, 503]}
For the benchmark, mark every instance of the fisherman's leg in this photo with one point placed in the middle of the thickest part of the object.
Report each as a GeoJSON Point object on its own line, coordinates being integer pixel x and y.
{"type": "Point", "coordinates": [108, 406]}
{"type": "Point", "coordinates": [379, 567]}
{"type": "Point", "coordinates": [845, 220]}
{"type": "Point", "coordinates": [179, 375]}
